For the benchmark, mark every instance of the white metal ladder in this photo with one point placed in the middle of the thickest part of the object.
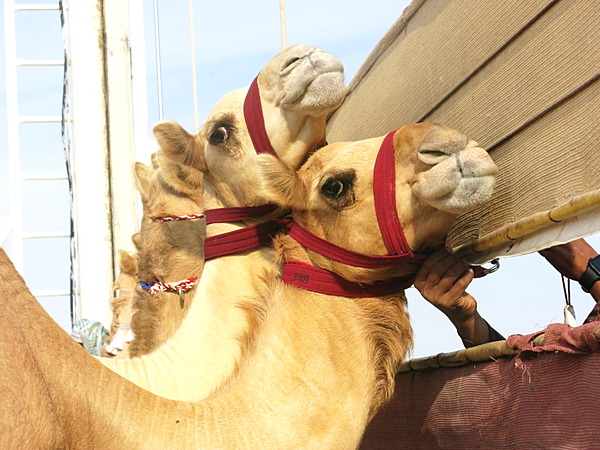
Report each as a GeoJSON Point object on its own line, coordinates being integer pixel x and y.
{"type": "Point", "coordinates": [13, 122]}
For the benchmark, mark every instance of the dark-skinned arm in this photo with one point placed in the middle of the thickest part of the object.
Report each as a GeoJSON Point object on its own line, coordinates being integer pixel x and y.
{"type": "Point", "coordinates": [571, 260]}
{"type": "Point", "coordinates": [443, 280]}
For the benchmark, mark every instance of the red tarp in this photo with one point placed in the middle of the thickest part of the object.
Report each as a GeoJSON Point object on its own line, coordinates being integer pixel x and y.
{"type": "Point", "coordinates": [542, 398]}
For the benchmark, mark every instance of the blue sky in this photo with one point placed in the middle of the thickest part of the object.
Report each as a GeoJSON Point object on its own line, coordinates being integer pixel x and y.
{"type": "Point", "coordinates": [233, 41]}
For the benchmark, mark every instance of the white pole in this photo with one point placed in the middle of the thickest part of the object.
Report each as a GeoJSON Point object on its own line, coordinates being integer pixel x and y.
{"type": "Point", "coordinates": [194, 88]}
{"type": "Point", "coordinates": [144, 145]}
{"type": "Point", "coordinates": [120, 125]}
{"type": "Point", "coordinates": [283, 27]}
{"type": "Point", "coordinates": [158, 63]}
{"type": "Point", "coordinates": [91, 161]}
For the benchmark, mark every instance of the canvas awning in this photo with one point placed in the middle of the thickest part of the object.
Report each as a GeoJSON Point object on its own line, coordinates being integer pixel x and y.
{"type": "Point", "coordinates": [522, 79]}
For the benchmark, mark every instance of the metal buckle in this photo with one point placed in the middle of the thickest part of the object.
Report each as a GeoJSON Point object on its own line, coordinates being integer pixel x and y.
{"type": "Point", "coordinates": [495, 266]}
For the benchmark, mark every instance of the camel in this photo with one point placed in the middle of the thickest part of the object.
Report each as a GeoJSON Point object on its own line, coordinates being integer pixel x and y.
{"type": "Point", "coordinates": [317, 366]}
{"type": "Point", "coordinates": [120, 335]}
{"type": "Point", "coordinates": [169, 251]}
{"type": "Point", "coordinates": [297, 89]}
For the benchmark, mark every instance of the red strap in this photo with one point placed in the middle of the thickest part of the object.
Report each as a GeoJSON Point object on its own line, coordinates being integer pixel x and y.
{"type": "Point", "coordinates": [314, 279]}
{"type": "Point", "coordinates": [384, 192]}
{"type": "Point", "coordinates": [255, 122]}
{"type": "Point", "coordinates": [247, 238]}
{"type": "Point", "coordinates": [340, 254]}
{"type": "Point", "coordinates": [237, 213]}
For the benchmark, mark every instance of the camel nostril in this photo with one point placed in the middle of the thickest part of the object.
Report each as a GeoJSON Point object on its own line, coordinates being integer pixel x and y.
{"type": "Point", "coordinates": [289, 63]}
{"type": "Point", "coordinates": [459, 162]}
{"type": "Point", "coordinates": [434, 153]}
{"type": "Point", "coordinates": [432, 157]}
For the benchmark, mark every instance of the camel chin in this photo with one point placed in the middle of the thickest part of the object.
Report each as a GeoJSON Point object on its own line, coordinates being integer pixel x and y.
{"type": "Point", "coordinates": [460, 180]}
{"type": "Point", "coordinates": [313, 81]}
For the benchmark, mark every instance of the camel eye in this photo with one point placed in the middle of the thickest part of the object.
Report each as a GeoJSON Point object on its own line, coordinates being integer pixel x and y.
{"type": "Point", "coordinates": [333, 189]}
{"type": "Point", "coordinates": [338, 188]}
{"type": "Point", "coordinates": [219, 135]}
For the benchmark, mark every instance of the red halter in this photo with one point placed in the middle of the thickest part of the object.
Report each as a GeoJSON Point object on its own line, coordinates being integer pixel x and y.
{"type": "Point", "coordinates": [255, 122]}
{"type": "Point", "coordinates": [384, 190]}
{"type": "Point", "coordinates": [323, 281]}
{"type": "Point", "coordinates": [315, 279]}
{"type": "Point", "coordinates": [255, 235]}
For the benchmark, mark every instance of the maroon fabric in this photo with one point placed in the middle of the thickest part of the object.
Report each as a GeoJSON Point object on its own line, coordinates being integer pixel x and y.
{"type": "Point", "coordinates": [384, 192]}
{"type": "Point", "coordinates": [530, 401]}
{"type": "Point", "coordinates": [314, 279]}
{"type": "Point", "coordinates": [243, 239]}
{"type": "Point", "coordinates": [559, 337]}
{"type": "Point", "coordinates": [255, 122]}
{"type": "Point", "coordinates": [237, 213]}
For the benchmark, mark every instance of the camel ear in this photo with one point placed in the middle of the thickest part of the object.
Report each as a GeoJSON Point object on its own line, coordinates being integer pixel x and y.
{"type": "Point", "coordinates": [154, 161]}
{"type": "Point", "coordinates": [137, 241]}
{"type": "Point", "coordinates": [180, 177]}
{"type": "Point", "coordinates": [281, 184]}
{"type": "Point", "coordinates": [143, 175]}
{"type": "Point", "coordinates": [180, 146]}
{"type": "Point", "coordinates": [127, 262]}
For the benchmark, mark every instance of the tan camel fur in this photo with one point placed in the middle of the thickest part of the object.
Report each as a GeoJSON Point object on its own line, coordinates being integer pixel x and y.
{"type": "Point", "coordinates": [317, 366]}
{"type": "Point", "coordinates": [298, 88]}
{"type": "Point", "coordinates": [122, 307]}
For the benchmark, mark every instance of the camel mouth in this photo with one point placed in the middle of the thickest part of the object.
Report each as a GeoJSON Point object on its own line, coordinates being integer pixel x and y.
{"type": "Point", "coordinates": [322, 93]}
{"type": "Point", "coordinates": [313, 82]}
{"type": "Point", "coordinates": [460, 183]}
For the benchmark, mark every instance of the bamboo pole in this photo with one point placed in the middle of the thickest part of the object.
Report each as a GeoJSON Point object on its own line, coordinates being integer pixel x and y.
{"type": "Point", "coordinates": [480, 353]}
{"type": "Point", "coordinates": [576, 206]}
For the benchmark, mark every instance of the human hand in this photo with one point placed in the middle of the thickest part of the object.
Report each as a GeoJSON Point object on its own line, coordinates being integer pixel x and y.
{"type": "Point", "coordinates": [570, 259]}
{"type": "Point", "coordinates": [443, 280]}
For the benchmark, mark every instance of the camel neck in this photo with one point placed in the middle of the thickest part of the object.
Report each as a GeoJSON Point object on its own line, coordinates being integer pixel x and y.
{"type": "Point", "coordinates": [206, 348]}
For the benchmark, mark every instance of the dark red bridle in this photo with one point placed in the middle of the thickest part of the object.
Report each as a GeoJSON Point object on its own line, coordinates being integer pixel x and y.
{"type": "Point", "coordinates": [399, 252]}
{"type": "Point", "coordinates": [256, 235]}
{"type": "Point", "coordinates": [303, 275]}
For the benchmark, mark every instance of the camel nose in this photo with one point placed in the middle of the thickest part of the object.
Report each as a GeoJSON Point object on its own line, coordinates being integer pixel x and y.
{"type": "Point", "coordinates": [432, 156]}
{"type": "Point", "coordinates": [296, 55]}
{"type": "Point", "coordinates": [459, 162]}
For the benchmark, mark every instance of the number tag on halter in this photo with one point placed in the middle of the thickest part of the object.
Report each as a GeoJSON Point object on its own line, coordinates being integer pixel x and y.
{"type": "Point", "coordinates": [570, 316]}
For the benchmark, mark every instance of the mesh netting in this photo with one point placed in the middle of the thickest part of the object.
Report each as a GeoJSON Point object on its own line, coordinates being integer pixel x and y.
{"type": "Point", "coordinates": [541, 398]}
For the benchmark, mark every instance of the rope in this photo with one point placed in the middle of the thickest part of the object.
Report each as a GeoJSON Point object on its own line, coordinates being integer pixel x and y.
{"type": "Point", "coordinates": [155, 287]}
{"type": "Point", "coordinates": [177, 218]}
{"type": "Point", "coordinates": [191, 7]}
{"type": "Point", "coordinates": [566, 289]}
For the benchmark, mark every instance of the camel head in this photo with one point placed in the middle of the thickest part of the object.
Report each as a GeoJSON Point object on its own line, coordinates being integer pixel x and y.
{"type": "Point", "coordinates": [439, 174]}
{"type": "Point", "coordinates": [296, 90]}
{"type": "Point", "coordinates": [175, 197]}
